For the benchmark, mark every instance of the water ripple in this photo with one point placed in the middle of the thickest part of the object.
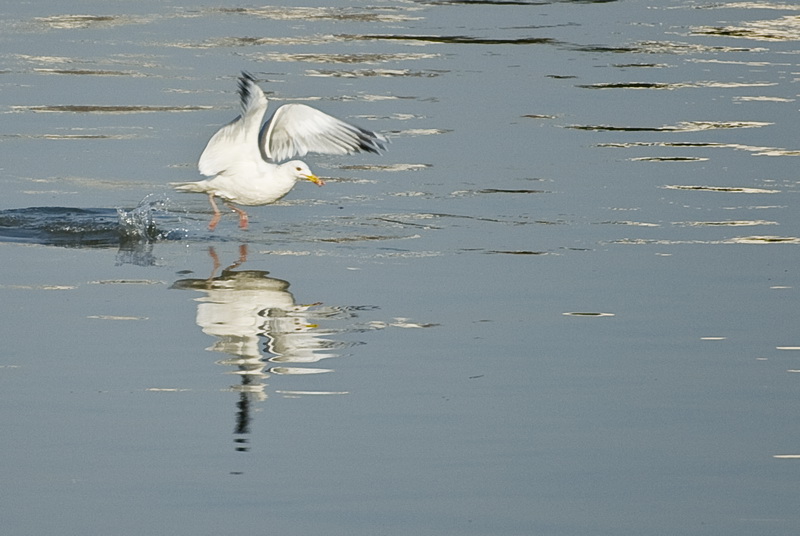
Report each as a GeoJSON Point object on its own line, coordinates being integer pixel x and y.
{"type": "Point", "coordinates": [453, 39]}
{"type": "Point", "coordinates": [366, 73]}
{"type": "Point", "coordinates": [367, 58]}
{"type": "Point", "coordinates": [725, 189]}
{"type": "Point", "coordinates": [786, 28]}
{"type": "Point", "coordinates": [684, 126]}
{"type": "Point", "coordinates": [674, 85]}
{"type": "Point", "coordinates": [112, 109]}
{"type": "Point", "coordinates": [77, 22]}
{"type": "Point", "coordinates": [326, 13]}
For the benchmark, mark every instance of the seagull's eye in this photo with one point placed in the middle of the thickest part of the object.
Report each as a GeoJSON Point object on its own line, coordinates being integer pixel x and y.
{"type": "Point", "coordinates": [297, 169]}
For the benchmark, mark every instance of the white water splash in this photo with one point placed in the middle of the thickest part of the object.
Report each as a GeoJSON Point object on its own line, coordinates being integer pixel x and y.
{"type": "Point", "coordinates": [139, 224]}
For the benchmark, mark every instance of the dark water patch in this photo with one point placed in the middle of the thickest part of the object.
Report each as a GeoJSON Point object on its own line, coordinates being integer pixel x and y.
{"type": "Point", "coordinates": [453, 39]}
{"type": "Point", "coordinates": [631, 85]}
{"type": "Point", "coordinates": [84, 227]}
{"type": "Point", "coordinates": [737, 32]}
{"type": "Point", "coordinates": [517, 252]}
{"type": "Point", "coordinates": [491, 191]}
{"type": "Point", "coordinates": [361, 238]}
{"type": "Point", "coordinates": [669, 159]}
{"type": "Point", "coordinates": [764, 240]}
{"type": "Point", "coordinates": [61, 226]}
{"type": "Point", "coordinates": [538, 116]}
{"type": "Point", "coordinates": [589, 314]}
{"type": "Point", "coordinates": [610, 128]}
{"type": "Point", "coordinates": [424, 219]}
{"type": "Point", "coordinates": [668, 47]}
{"type": "Point", "coordinates": [640, 65]}
{"type": "Point", "coordinates": [398, 221]}
{"type": "Point", "coordinates": [78, 18]}
{"type": "Point", "coordinates": [603, 49]}
{"type": "Point", "coordinates": [673, 85]}
{"type": "Point", "coordinates": [727, 223]}
{"type": "Point", "coordinates": [783, 29]}
{"type": "Point", "coordinates": [510, 191]}
{"type": "Point", "coordinates": [495, 220]}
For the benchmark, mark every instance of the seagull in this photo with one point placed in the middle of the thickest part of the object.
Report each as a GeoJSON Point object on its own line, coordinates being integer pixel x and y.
{"type": "Point", "coordinates": [243, 157]}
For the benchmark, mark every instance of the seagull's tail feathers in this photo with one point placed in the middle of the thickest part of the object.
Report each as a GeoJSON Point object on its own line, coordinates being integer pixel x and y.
{"type": "Point", "coordinates": [191, 187]}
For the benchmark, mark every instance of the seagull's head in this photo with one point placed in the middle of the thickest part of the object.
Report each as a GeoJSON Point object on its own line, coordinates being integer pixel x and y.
{"type": "Point", "coordinates": [300, 171]}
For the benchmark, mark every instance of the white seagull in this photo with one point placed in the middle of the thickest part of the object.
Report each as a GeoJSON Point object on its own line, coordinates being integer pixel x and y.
{"type": "Point", "coordinates": [242, 157]}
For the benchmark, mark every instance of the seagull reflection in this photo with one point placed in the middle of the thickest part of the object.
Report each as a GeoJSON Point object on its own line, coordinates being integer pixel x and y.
{"type": "Point", "coordinates": [246, 310]}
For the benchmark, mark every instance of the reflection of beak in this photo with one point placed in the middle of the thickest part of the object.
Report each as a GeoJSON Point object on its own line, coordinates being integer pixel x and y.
{"type": "Point", "coordinates": [316, 180]}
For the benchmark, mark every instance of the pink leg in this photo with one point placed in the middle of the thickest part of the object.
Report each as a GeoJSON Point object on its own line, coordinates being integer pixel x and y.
{"type": "Point", "coordinates": [215, 220]}
{"type": "Point", "coordinates": [243, 219]}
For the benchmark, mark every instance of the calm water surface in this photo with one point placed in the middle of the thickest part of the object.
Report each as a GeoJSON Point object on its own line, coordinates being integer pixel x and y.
{"type": "Point", "coordinates": [564, 302]}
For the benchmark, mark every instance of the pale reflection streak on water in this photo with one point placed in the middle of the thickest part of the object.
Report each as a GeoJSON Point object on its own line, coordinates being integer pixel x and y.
{"type": "Point", "coordinates": [256, 322]}
{"type": "Point", "coordinates": [242, 309]}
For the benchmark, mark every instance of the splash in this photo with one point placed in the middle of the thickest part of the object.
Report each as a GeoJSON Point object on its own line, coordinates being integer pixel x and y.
{"type": "Point", "coordinates": [140, 225]}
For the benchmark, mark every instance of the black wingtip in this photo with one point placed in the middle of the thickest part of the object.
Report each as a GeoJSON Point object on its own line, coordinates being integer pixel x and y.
{"type": "Point", "coordinates": [246, 83]}
{"type": "Point", "coordinates": [245, 80]}
{"type": "Point", "coordinates": [371, 142]}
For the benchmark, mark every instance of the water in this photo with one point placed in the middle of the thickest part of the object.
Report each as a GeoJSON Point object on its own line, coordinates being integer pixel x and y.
{"type": "Point", "coordinates": [563, 302]}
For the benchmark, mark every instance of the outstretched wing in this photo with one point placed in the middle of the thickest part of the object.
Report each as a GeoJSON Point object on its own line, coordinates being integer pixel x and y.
{"type": "Point", "coordinates": [297, 129]}
{"type": "Point", "coordinates": [237, 142]}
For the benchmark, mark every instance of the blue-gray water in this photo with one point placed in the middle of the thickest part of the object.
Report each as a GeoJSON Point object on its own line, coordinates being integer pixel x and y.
{"type": "Point", "coordinates": [564, 302]}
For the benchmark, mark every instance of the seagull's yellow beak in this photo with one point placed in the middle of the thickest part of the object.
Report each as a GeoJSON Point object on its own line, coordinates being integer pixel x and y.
{"type": "Point", "coordinates": [316, 180]}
